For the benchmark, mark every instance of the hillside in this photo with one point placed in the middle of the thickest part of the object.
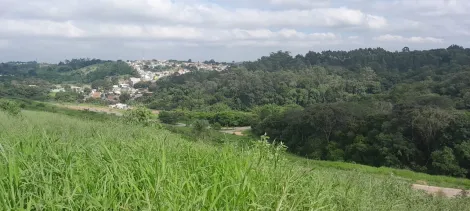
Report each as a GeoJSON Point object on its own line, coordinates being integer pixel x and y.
{"type": "Point", "coordinates": [55, 162]}
{"type": "Point", "coordinates": [406, 109]}
{"type": "Point", "coordinates": [75, 71]}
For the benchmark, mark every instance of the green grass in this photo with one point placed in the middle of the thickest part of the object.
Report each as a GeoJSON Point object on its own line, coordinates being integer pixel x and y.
{"type": "Point", "coordinates": [50, 161]}
{"type": "Point", "coordinates": [409, 176]}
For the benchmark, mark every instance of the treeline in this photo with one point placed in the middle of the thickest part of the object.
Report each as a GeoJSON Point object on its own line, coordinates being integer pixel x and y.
{"type": "Point", "coordinates": [221, 118]}
{"type": "Point", "coordinates": [73, 71]}
{"type": "Point", "coordinates": [426, 137]}
{"type": "Point", "coordinates": [406, 109]}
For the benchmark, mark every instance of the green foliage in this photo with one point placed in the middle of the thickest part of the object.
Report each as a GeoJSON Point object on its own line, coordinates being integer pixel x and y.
{"type": "Point", "coordinates": [200, 128]}
{"type": "Point", "coordinates": [142, 84]}
{"type": "Point", "coordinates": [55, 162]}
{"type": "Point", "coordinates": [138, 115]}
{"type": "Point", "coordinates": [124, 97]}
{"type": "Point", "coordinates": [225, 118]}
{"type": "Point", "coordinates": [216, 126]}
{"type": "Point", "coordinates": [444, 161]}
{"type": "Point", "coordinates": [10, 107]}
{"type": "Point", "coordinates": [68, 97]}
{"type": "Point", "coordinates": [170, 117]}
{"type": "Point", "coordinates": [73, 71]}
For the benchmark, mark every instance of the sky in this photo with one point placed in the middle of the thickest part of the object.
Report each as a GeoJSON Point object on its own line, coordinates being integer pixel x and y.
{"type": "Point", "coordinates": [224, 30]}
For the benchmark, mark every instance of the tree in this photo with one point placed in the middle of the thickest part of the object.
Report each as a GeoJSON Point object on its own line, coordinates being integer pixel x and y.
{"type": "Point", "coordinates": [138, 115]}
{"type": "Point", "coordinates": [142, 85]}
{"type": "Point", "coordinates": [200, 128]}
{"type": "Point", "coordinates": [86, 90]}
{"type": "Point", "coordinates": [444, 161]}
{"type": "Point", "coordinates": [10, 107]}
{"type": "Point", "coordinates": [428, 122]}
{"type": "Point", "coordinates": [168, 117]}
{"type": "Point", "coordinates": [124, 97]}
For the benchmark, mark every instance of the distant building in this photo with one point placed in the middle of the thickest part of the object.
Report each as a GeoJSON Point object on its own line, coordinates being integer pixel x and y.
{"type": "Point", "coordinates": [76, 88]}
{"type": "Point", "coordinates": [58, 90]}
{"type": "Point", "coordinates": [120, 106]}
{"type": "Point", "coordinates": [96, 95]}
{"type": "Point", "coordinates": [133, 81]}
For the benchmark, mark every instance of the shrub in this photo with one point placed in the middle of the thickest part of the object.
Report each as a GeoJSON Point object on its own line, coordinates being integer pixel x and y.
{"type": "Point", "coordinates": [216, 126]}
{"type": "Point", "coordinates": [200, 127]}
{"type": "Point", "coordinates": [139, 115]}
{"type": "Point", "coordinates": [171, 117]}
{"type": "Point", "coordinates": [10, 107]}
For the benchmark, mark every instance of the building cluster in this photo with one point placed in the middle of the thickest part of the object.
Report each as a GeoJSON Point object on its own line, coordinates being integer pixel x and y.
{"type": "Point", "coordinates": [149, 70]}
{"type": "Point", "coordinates": [152, 70]}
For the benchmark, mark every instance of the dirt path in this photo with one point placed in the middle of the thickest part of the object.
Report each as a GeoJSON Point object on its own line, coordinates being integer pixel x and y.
{"type": "Point", "coordinates": [448, 192]}
{"type": "Point", "coordinates": [93, 109]}
{"type": "Point", "coordinates": [235, 130]}
{"type": "Point", "coordinates": [97, 109]}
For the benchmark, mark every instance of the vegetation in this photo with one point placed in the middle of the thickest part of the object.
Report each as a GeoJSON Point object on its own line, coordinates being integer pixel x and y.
{"type": "Point", "coordinates": [224, 118]}
{"type": "Point", "coordinates": [54, 162]}
{"type": "Point", "coordinates": [405, 109]}
{"type": "Point", "coordinates": [74, 71]}
{"type": "Point", "coordinates": [10, 107]}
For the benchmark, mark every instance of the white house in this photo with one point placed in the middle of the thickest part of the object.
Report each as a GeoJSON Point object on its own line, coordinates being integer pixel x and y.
{"type": "Point", "coordinates": [120, 106]}
{"type": "Point", "coordinates": [133, 81]}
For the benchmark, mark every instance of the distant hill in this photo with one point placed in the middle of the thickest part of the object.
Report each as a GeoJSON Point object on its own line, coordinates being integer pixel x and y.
{"type": "Point", "coordinates": [404, 109]}
{"type": "Point", "coordinates": [74, 71]}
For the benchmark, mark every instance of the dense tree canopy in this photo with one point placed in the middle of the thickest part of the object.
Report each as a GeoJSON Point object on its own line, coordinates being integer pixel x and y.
{"type": "Point", "coordinates": [74, 71]}
{"type": "Point", "coordinates": [403, 109]}
{"type": "Point", "coordinates": [406, 109]}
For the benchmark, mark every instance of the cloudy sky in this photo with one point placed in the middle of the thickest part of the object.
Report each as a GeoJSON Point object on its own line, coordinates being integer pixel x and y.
{"type": "Point", "coordinates": [224, 30]}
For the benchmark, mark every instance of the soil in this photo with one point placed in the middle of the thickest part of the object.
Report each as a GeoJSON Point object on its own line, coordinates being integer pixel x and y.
{"type": "Point", "coordinates": [448, 192]}
{"type": "Point", "coordinates": [235, 130]}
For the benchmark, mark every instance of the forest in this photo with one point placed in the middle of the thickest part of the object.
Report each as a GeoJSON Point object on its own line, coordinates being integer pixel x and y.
{"type": "Point", "coordinates": [32, 80]}
{"type": "Point", "coordinates": [404, 109]}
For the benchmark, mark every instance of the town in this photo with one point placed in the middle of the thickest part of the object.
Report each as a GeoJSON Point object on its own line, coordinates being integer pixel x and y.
{"type": "Point", "coordinates": [149, 71]}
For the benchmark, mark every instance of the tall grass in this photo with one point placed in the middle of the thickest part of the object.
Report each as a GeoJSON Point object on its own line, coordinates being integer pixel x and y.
{"type": "Point", "coordinates": [54, 162]}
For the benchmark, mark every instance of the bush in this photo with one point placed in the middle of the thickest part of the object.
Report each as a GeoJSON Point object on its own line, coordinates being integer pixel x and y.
{"type": "Point", "coordinates": [10, 107]}
{"type": "Point", "coordinates": [171, 117]}
{"type": "Point", "coordinates": [216, 126]}
{"type": "Point", "coordinates": [140, 115]}
{"type": "Point", "coordinates": [200, 127]}
{"type": "Point", "coordinates": [231, 118]}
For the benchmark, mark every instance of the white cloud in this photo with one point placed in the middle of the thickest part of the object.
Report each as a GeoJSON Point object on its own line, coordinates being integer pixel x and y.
{"type": "Point", "coordinates": [209, 15]}
{"type": "Point", "coordinates": [301, 3]}
{"type": "Point", "coordinates": [226, 28]}
{"type": "Point", "coordinates": [4, 43]}
{"type": "Point", "coordinates": [398, 38]}
{"type": "Point", "coordinates": [152, 32]}
{"type": "Point", "coordinates": [39, 28]}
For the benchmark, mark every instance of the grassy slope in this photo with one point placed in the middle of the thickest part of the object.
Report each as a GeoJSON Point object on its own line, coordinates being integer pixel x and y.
{"type": "Point", "coordinates": [55, 162]}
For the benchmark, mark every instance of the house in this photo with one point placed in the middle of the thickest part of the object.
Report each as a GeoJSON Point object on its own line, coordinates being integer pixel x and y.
{"type": "Point", "coordinates": [133, 81]}
{"type": "Point", "coordinates": [96, 95]}
{"type": "Point", "coordinates": [76, 88]}
{"type": "Point", "coordinates": [58, 90]}
{"type": "Point", "coordinates": [119, 106]}
{"type": "Point", "coordinates": [111, 98]}
{"type": "Point", "coordinates": [124, 85]}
